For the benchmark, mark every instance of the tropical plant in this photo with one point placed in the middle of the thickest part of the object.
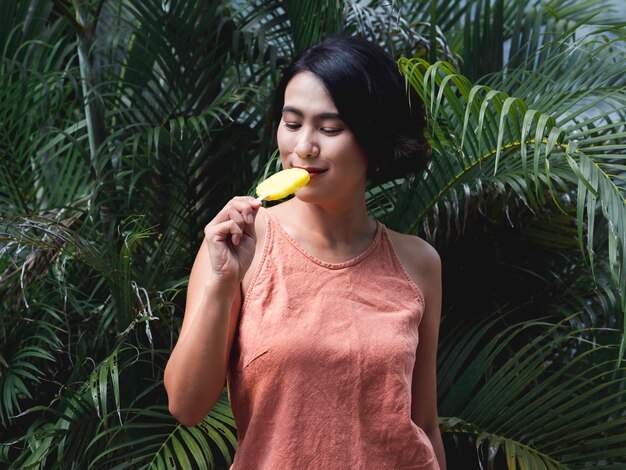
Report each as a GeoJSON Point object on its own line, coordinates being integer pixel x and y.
{"type": "Point", "coordinates": [127, 124]}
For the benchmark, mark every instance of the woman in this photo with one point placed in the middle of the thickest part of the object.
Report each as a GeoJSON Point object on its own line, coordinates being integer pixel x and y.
{"type": "Point", "coordinates": [311, 309]}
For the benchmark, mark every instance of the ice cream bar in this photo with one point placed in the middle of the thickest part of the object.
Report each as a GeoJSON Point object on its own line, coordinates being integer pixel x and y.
{"type": "Point", "coordinates": [282, 184]}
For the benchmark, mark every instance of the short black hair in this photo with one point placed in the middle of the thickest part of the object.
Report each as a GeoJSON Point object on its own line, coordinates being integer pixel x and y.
{"type": "Point", "coordinates": [369, 92]}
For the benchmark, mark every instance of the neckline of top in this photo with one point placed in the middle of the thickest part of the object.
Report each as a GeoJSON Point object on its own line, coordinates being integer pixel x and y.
{"type": "Point", "coordinates": [351, 262]}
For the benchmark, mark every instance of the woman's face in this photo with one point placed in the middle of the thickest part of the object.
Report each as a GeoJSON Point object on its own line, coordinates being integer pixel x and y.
{"type": "Point", "coordinates": [311, 135]}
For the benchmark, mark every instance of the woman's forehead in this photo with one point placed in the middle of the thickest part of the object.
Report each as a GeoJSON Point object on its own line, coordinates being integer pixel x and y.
{"type": "Point", "coordinates": [306, 92]}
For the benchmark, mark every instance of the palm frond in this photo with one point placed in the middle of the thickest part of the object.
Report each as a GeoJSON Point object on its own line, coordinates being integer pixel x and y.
{"type": "Point", "coordinates": [476, 131]}
{"type": "Point", "coordinates": [47, 234]}
{"type": "Point", "coordinates": [483, 38]}
{"type": "Point", "coordinates": [78, 412]}
{"type": "Point", "coordinates": [554, 399]}
{"type": "Point", "coordinates": [171, 445]}
{"type": "Point", "coordinates": [46, 169]}
{"type": "Point", "coordinates": [182, 88]}
{"type": "Point", "coordinates": [310, 21]}
{"type": "Point", "coordinates": [22, 365]}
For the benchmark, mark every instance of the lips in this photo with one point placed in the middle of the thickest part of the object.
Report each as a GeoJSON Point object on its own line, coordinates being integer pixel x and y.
{"type": "Point", "coordinates": [313, 171]}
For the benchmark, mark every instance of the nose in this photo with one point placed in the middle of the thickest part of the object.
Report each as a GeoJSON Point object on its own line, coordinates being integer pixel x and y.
{"type": "Point", "coordinates": [307, 146]}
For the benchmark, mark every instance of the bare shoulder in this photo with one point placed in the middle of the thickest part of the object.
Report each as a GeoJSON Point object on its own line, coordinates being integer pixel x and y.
{"type": "Point", "coordinates": [281, 211]}
{"type": "Point", "coordinates": [418, 257]}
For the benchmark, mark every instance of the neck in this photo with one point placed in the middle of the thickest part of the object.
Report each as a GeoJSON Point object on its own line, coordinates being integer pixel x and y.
{"type": "Point", "coordinates": [336, 223]}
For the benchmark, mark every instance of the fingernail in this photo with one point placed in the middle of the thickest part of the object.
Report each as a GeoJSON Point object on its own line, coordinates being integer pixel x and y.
{"type": "Point", "coordinates": [250, 218]}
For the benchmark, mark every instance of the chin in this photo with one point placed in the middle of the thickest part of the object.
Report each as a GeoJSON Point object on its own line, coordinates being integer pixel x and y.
{"type": "Point", "coordinates": [308, 196]}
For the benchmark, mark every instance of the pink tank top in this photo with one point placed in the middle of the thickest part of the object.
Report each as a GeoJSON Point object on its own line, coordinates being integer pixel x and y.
{"type": "Point", "coordinates": [321, 368]}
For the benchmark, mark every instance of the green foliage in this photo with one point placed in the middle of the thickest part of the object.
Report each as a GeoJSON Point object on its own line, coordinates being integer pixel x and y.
{"type": "Point", "coordinates": [126, 125]}
{"type": "Point", "coordinates": [540, 391]}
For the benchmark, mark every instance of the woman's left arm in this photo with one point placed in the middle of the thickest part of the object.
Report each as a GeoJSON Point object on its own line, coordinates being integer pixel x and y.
{"type": "Point", "coordinates": [424, 385]}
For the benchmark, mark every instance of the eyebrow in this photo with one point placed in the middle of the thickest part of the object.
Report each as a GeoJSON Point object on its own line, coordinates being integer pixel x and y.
{"type": "Point", "coordinates": [291, 109]}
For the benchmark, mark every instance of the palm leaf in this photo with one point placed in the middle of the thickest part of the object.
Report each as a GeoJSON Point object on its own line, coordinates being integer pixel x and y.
{"type": "Point", "coordinates": [383, 23]}
{"type": "Point", "coordinates": [327, 18]}
{"type": "Point", "coordinates": [58, 176]}
{"type": "Point", "coordinates": [472, 127]}
{"type": "Point", "coordinates": [184, 88]}
{"type": "Point", "coordinates": [541, 407]}
{"type": "Point", "coordinates": [475, 130]}
{"type": "Point", "coordinates": [171, 445]}
{"type": "Point", "coordinates": [46, 234]}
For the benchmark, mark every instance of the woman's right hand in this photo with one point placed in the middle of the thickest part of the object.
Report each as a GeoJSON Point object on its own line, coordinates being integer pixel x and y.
{"type": "Point", "coordinates": [231, 239]}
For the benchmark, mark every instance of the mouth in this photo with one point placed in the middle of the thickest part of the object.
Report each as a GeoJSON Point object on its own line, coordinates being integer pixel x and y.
{"type": "Point", "coordinates": [313, 172]}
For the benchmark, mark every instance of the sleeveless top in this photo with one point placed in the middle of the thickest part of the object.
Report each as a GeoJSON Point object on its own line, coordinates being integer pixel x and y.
{"type": "Point", "coordinates": [321, 366]}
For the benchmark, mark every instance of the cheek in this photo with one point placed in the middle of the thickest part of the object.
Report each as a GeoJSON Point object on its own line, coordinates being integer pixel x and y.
{"type": "Point", "coordinates": [354, 157]}
{"type": "Point", "coordinates": [282, 139]}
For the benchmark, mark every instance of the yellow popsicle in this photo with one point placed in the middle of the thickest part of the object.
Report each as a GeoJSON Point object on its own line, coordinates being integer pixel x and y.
{"type": "Point", "coordinates": [282, 184]}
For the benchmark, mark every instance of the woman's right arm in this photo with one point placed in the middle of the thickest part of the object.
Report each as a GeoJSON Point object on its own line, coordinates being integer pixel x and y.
{"type": "Point", "coordinates": [196, 371]}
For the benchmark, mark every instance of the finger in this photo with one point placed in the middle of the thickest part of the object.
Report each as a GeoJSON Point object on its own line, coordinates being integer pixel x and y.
{"type": "Point", "coordinates": [221, 232]}
{"type": "Point", "coordinates": [251, 209]}
{"type": "Point", "coordinates": [245, 205]}
{"type": "Point", "coordinates": [245, 218]}
{"type": "Point", "coordinates": [236, 233]}
{"type": "Point", "coordinates": [249, 228]}
{"type": "Point", "coordinates": [237, 217]}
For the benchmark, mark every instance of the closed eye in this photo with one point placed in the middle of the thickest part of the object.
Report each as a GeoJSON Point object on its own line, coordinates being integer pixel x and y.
{"type": "Point", "coordinates": [331, 130]}
{"type": "Point", "coordinates": [292, 126]}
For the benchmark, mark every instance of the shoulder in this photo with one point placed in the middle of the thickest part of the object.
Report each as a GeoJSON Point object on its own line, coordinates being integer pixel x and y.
{"type": "Point", "coordinates": [419, 258]}
{"type": "Point", "coordinates": [414, 251]}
